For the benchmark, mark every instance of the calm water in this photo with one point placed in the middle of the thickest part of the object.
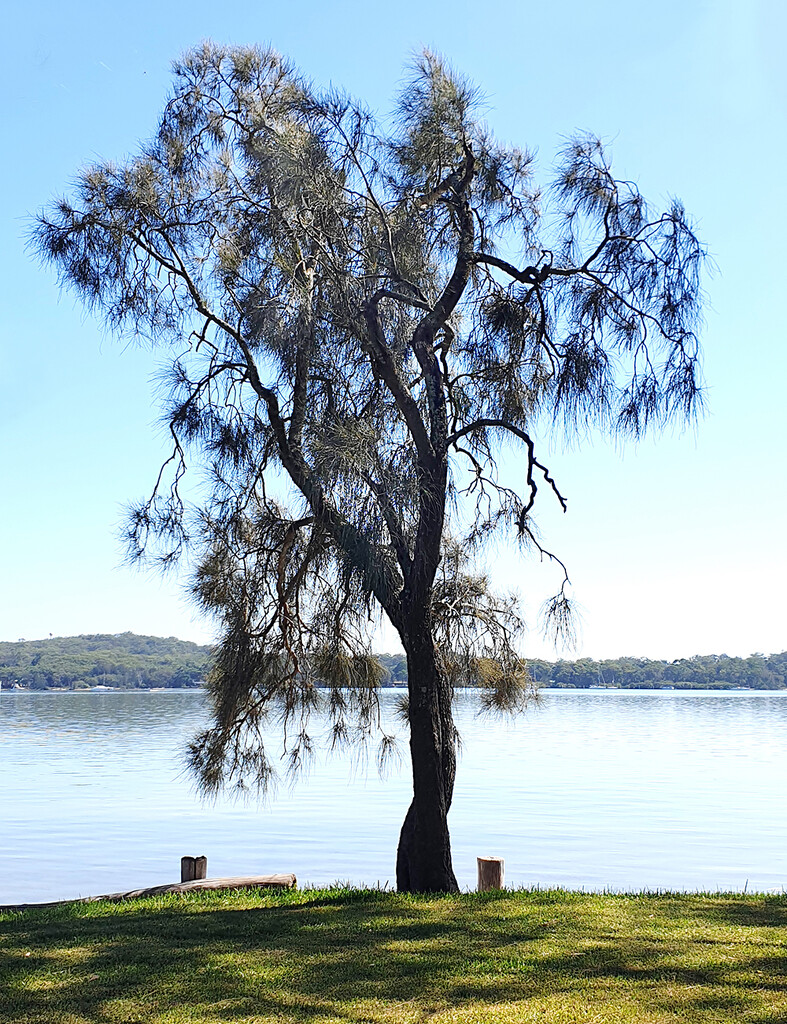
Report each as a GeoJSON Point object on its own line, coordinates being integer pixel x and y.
{"type": "Point", "coordinates": [595, 789]}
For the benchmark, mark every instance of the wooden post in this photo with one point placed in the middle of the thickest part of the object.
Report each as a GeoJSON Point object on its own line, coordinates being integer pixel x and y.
{"type": "Point", "coordinates": [491, 873]}
{"type": "Point", "coordinates": [193, 868]}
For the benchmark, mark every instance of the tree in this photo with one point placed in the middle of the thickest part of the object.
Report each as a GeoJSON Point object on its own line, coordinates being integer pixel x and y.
{"type": "Point", "coordinates": [352, 341]}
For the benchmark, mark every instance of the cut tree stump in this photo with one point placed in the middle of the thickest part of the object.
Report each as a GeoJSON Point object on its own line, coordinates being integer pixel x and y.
{"type": "Point", "coordinates": [491, 873]}
{"type": "Point", "coordinates": [193, 868]}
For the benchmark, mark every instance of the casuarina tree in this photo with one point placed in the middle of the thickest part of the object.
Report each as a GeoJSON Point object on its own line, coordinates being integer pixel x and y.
{"type": "Point", "coordinates": [358, 316]}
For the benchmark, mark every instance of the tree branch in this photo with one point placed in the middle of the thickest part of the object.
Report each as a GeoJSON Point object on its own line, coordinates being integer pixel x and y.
{"type": "Point", "coordinates": [382, 362]}
{"type": "Point", "coordinates": [532, 460]}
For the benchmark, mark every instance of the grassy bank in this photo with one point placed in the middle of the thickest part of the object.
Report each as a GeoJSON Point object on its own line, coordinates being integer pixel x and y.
{"type": "Point", "coordinates": [362, 957]}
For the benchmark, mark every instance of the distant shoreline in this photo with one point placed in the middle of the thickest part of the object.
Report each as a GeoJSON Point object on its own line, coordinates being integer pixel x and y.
{"type": "Point", "coordinates": [127, 661]}
{"type": "Point", "coordinates": [679, 688]}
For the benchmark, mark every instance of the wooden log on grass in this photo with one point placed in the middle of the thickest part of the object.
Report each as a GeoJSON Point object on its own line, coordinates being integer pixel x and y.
{"type": "Point", "coordinates": [491, 873]}
{"type": "Point", "coordinates": [287, 881]}
{"type": "Point", "coordinates": [205, 884]}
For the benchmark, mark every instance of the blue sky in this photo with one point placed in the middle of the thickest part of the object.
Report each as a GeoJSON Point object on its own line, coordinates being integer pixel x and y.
{"type": "Point", "coordinates": [675, 546]}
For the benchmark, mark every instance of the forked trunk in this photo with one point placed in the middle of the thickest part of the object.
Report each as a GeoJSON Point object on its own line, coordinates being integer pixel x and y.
{"type": "Point", "coordinates": [423, 860]}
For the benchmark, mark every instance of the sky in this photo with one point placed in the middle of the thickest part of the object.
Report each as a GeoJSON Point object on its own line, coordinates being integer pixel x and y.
{"type": "Point", "coordinates": [675, 546]}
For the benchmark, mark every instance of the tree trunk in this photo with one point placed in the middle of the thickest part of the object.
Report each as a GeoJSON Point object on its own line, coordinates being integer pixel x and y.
{"type": "Point", "coordinates": [423, 859]}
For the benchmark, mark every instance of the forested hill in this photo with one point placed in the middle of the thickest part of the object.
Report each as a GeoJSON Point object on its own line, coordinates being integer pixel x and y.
{"type": "Point", "coordinates": [124, 660]}
{"type": "Point", "coordinates": [128, 661]}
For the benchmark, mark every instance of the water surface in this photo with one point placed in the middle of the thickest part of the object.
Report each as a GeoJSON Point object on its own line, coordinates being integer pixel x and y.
{"type": "Point", "coordinates": [595, 789]}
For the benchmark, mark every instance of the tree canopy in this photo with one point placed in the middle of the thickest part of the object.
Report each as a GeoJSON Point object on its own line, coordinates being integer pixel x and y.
{"type": "Point", "coordinates": [359, 314]}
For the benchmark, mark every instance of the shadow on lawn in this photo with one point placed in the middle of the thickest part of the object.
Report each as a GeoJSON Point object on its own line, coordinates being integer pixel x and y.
{"type": "Point", "coordinates": [326, 957]}
{"type": "Point", "coordinates": [742, 911]}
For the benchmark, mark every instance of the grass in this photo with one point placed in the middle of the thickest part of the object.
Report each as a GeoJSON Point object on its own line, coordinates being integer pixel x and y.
{"type": "Point", "coordinates": [362, 957]}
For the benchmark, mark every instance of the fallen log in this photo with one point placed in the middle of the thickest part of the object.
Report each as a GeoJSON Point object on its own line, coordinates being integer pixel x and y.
{"type": "Point", "coordinates": [286, 881]}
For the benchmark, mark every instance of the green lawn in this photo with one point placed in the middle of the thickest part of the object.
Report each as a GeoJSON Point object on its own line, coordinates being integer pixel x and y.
{"type": "Point", "coordinates": [358, 957]}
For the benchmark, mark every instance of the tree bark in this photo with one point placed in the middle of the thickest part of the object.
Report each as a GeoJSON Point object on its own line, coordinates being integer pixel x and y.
{"type": "Point", "coordinates": [423, 859]}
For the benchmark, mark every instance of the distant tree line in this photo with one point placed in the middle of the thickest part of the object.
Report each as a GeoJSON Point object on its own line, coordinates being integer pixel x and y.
{"type": "Point", "coordinates": [127, 661]}
{"type": "Point", "coordinates": [711, 671]}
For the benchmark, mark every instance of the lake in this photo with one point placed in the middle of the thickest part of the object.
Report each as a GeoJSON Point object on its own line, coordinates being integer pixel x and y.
{"type": "Point", "coordinates": [595, 789]}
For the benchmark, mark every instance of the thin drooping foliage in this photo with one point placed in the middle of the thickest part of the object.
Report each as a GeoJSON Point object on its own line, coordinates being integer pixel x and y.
{"type": "Point", "coordinates": [358, 316]}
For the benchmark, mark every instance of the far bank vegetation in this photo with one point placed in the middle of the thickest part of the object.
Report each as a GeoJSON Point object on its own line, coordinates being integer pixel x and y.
{"type": "Point", "coordinates": [127, 661]}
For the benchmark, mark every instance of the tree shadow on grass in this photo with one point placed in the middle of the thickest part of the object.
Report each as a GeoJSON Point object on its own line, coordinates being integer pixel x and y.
{"type": "Point", "coordinates": [763, 911]}
{"type": "Point", "coordinates": [343, 958]}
